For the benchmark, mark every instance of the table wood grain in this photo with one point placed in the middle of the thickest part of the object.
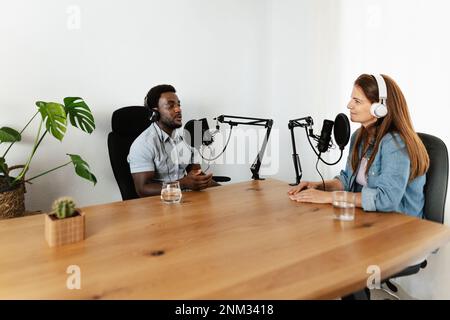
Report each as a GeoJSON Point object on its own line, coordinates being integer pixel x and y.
{"type": "Point", "coordinates": [241, 241]}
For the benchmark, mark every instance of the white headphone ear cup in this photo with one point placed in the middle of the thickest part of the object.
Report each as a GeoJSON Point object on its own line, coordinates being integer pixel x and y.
{"type": "Point", "coordinates": [378, 110]}
{"type": "Point", "coordinates": [373, 108]}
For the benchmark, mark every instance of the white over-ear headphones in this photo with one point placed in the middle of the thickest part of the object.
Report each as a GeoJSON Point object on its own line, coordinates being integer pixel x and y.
{"type": "Point", "coordinates": [379, 109]}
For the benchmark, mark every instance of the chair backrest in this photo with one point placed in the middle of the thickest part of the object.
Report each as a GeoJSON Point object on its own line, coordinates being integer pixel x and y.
{"type": "Point", "coordinates": [127, 124]}
{"type": "Point", "coordinates": [437, 178]}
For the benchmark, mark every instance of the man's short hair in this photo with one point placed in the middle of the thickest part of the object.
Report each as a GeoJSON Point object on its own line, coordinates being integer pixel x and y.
{"type": "Point", "coordinates": [153, 95]}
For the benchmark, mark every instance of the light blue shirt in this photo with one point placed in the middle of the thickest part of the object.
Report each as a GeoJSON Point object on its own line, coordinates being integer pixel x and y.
{"type": "Point", "coordinates": [168, 156]}
{"type": "Point", "coordinates": [388, 187]}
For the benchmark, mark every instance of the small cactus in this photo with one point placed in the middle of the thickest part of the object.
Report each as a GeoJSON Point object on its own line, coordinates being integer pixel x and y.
{"type": "Point", "coordinates": [64, 207]}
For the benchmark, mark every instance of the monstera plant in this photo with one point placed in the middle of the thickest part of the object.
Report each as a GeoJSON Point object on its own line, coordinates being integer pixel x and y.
{"type": "Point", "coordinates": [54, 119]}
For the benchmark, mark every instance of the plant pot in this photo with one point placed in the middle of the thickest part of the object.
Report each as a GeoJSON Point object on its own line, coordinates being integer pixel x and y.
{"type": "Point", "coordinates": [12, 200]}
{"type": "Point", "coordinates": [59, 232]}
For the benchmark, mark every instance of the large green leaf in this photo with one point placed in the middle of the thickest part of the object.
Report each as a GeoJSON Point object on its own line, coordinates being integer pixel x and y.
{"type": "Point", "coordinates": [55, 118]}
{"type": "Point", "coordinates": [82, 168]}
{"type": "Point", "coordinates": [79, 114]}
{"type": "Point", "coordinates": [3, 166]}
{"type": "Point", "coordinates": [9, 135]}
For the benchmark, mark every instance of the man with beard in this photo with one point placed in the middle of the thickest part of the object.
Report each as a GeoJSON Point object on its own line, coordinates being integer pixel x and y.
{"type": "Point", "coordinates": [159, 154]}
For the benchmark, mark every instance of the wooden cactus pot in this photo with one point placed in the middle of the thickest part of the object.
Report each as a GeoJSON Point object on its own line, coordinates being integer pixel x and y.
{"type": "Point", "coordinates": [59, 232]}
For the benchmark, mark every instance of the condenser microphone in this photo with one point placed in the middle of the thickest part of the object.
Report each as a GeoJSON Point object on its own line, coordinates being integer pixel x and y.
{"type": "Point", "coordinates": [325, 136]}
{"type": "Point", "coordinates": [197, 133]}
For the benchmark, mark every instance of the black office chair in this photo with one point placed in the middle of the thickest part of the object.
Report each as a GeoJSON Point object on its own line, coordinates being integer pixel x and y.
{"type": "Point", "coordinates": [127, 124]}
{"type": "Point", "coordinates": [435, 193]}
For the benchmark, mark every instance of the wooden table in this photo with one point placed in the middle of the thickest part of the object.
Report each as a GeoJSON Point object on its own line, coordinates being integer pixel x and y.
{"type": "Point", "coordinates": [241, 241]}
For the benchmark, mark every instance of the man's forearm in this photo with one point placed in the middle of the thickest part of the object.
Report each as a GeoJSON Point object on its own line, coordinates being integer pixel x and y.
{"type": "Point", "coordinates": [150, 189]}
{"type": "Point", "coordinates": [184, 184]}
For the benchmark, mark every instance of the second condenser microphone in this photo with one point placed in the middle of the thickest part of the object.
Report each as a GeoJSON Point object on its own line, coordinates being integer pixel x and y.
{"type": "Point", "coordinates": [325, 136]}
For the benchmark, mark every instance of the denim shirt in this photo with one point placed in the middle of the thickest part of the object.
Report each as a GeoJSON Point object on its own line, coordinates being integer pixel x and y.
{"type": "Point", "coordinates": [388, 186]}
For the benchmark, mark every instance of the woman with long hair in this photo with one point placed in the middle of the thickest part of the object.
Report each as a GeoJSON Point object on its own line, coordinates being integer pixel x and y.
{"type": "Point", "coordinates": [387, 160]}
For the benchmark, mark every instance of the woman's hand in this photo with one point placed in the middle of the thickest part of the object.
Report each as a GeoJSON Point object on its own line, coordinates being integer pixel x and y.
{"type": "Point", "coordinates": [313, 196]}
{"type": "Point", "coordinates": [303, 185]}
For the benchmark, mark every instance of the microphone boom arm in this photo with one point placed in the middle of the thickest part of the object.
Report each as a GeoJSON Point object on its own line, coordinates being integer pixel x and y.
{"type": "Point", "coordinates": [305, 122]}
{"type": "Point", "coordinates": [266, 123]}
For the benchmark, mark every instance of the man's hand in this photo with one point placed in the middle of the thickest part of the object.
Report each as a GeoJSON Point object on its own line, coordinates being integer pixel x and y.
{"type": "Point", "coordinates": [196, 180]}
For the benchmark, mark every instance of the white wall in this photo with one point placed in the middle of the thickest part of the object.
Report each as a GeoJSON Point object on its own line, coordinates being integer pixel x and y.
{"type": "Point", "coordinates": [213, 52]}
{"type": "Point", "coordinates": [304, 72]}
{"type": "Point", "coordinates": [280, 59]}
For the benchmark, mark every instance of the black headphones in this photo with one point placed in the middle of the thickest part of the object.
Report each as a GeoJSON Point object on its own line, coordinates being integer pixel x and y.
{"type": "Point", "coordinates": [153, 114]}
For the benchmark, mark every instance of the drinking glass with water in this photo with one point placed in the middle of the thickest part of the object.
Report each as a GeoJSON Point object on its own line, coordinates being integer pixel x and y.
{"type": "Point", "coordinates": [171, 192]}
{"type": "Point", "coordinates": [344, 205]}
